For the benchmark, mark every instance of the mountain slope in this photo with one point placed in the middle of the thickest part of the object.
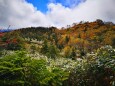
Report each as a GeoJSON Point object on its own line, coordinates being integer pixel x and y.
{"type": "Point", "coordinates": [78, 39]}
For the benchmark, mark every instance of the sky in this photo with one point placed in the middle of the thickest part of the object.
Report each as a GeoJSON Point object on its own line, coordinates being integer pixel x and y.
{"type": "Point", "coordinates": [58, 13]}
{"type": "Point", "coordinates": [42, 4]}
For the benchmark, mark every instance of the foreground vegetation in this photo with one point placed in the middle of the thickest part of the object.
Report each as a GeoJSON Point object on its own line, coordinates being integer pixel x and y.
{"type": "Point", "coordinates": [18, 69]}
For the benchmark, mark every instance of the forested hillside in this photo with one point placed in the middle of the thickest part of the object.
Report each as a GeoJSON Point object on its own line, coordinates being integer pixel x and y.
{"type": "Point", "coordinates": [82, 54]}
{"type": "Point", "coordinates": [72, 42]}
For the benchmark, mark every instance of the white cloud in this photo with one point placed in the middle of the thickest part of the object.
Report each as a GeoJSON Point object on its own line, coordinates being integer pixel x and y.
{"type": "Point", "coordinates": [89, 10]}
{"type": "Point", "coordinates": [96, 9]}
{"type": "Point", "coordinates": [59, 15]}
{"type": "Point", "coordinates": [19, 13]}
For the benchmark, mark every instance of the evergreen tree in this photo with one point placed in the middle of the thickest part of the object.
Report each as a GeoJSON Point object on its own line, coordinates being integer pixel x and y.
{"type": "Point", "coordinates": [52, 51]}
{"type": "Point", "coordinates": [44, 48]}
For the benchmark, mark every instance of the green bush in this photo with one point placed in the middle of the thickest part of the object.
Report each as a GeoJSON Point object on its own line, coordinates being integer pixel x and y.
{"type": "Point", "coordinates": [19, 70]}
{"type": "Point", "coordinates": [12, 69]}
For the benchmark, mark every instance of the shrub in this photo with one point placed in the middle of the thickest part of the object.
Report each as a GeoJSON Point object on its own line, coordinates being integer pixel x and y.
{"type": "Point", "coordinates": [96, 71]}
{"type": "Point", "coordinates": [19, 70]}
